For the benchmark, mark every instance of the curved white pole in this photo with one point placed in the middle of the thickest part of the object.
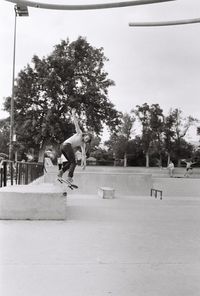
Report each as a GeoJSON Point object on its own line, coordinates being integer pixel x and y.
{"type": "Point", "coordinates": [169, 23]}
{"type": "Point", "coordinates": [86, 6]}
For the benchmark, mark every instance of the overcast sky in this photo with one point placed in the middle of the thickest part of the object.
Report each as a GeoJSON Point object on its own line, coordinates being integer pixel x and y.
{"type": "Point", "coordinates": [153, 65]}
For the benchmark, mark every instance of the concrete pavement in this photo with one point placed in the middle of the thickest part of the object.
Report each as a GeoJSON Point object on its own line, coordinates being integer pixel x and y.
{"type": "Point", "coordinates": [128, 246]}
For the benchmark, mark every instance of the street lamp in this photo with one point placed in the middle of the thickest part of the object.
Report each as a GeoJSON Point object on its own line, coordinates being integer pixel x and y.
{"type": "Point", "coordinates": [20, 10]}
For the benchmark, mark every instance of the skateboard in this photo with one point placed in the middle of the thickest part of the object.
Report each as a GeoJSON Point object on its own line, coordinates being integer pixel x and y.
{"type": "Point", "coordinates": [70, 185]}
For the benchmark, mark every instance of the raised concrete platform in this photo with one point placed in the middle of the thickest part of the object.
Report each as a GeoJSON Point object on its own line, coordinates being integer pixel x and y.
{"type": "Point", "coordinates": [178, 186]}
{"type": "Point", "coordinates": [123, 183]}
{"type": "Point", "coordinates": [156, 172]}
{"type": "Point", "coordinates": [33, 202]}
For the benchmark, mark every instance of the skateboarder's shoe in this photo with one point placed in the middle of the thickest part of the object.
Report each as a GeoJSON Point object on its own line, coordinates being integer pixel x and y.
{"type": "Point", "coordinates": [69, 180]}
{"type": "Point", "coordinates": [70, 185]}
{"type": "Point", "coordinates": [60, 173]}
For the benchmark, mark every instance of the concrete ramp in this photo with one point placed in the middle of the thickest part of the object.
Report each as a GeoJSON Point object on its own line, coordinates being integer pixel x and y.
{"type": "Point", "coordinates": [34, 202]}
{"type": "Point", "coordinates": [122, 183]}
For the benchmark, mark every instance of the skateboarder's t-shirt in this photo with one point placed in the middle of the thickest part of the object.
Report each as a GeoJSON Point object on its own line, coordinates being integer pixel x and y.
{"type": "Point", "coordinates": [75, 140]}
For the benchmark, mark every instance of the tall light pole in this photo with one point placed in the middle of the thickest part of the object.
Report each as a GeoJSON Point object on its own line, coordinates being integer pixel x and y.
{"type": "Point", "coordinates": [19, 11]}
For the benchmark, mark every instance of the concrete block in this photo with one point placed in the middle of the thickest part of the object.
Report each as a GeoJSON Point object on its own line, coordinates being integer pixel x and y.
{"type": "Point", "coordinates": [106, 192]}
{"type": "Point", "coordinates": [33, 202]}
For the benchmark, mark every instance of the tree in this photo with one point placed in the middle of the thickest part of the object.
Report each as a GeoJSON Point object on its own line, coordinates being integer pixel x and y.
{"type": "Point", "coordinates": [185, 151]}
{"type": "Point", "coordinates": [4, 135]}
{"type": "Point", "coordinates": [125, 131]}
{"type": "Point", "coordinates": [151, 119]}
{"type": "Point", "coordinates": [169, 135]}
{"type": "Point", "coordinates": [72, 76]}
{"type": "Point", "coordinates": [118, 141]}
{"type": "Point", "coordinates": [198, 130]}
{"type": "Point", "coordinates": [135, 154]}
{"type": "Point", "coordinates": [180, 128]}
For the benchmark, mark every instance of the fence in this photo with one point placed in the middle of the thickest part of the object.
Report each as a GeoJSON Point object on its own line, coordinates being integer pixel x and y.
{"type": "Point", "coordinates": [19, 172]}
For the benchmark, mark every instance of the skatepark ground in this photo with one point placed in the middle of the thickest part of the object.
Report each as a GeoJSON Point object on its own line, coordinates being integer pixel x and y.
{"type": "Point", "coordinates": [126, 246]}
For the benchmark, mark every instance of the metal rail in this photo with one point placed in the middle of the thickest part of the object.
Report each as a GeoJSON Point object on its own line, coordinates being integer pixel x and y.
{"type": "Point", "coordinates": [16, 173]}
{"type": "Point", "coordinates": [155, 192]}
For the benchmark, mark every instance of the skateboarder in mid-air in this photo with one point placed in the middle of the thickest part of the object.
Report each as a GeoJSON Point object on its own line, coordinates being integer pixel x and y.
{"type": "Point", "coordinates": [188, 167]}
{"type": "Point", "coordinates": [68, 147]}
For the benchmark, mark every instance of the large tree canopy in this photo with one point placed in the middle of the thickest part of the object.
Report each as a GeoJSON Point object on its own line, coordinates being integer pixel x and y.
{"type": "Point", "coordinates": [72, 76]}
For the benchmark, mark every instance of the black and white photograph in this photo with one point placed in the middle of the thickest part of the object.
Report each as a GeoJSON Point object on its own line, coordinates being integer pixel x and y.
{"type": "Point", "coordinates": [100, 148]}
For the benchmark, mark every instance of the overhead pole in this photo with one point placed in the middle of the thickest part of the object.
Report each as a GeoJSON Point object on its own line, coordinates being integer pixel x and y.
{"type": "Point", "coordinates": [168, 23]}
{"type": "Point", "coordinates": [86, 6]}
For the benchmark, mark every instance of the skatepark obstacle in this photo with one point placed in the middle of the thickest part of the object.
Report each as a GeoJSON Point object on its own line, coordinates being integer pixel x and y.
{"type": "Point", "coordinates": [106, 192]}
{"type": "Point", "coordinates": [32, 202]}
{"type": "Point", "coordinates": [155, 192]}
{"type": "Point", "coordinates": [124, 183]}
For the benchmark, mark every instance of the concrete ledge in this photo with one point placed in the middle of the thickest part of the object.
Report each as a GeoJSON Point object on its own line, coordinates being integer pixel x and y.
{"type": "Point", "coordinates": [34, 202]}
{"type": "Point", "coordinates": [178, 186]}
{"type": "Point", "coordinates": [124, 183]}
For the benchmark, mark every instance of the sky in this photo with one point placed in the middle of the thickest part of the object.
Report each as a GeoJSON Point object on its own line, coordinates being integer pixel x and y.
{"type": "Point", "coordinates": [148, 64]}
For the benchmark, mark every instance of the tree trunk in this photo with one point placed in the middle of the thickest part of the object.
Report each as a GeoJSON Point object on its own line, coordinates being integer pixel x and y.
{"type": "Point", "coordinates": [147, 159]}
{"type": "Point", "coordinates": [179, 163]}
{"type": "Point", "coordinates": [168, 158]}
{"type": "Point", "coordinates": [125, 160]}
{"type": "Point", "coordinates": [115, 161]}
{"type": "Point", "coordinates": [160, 161]}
